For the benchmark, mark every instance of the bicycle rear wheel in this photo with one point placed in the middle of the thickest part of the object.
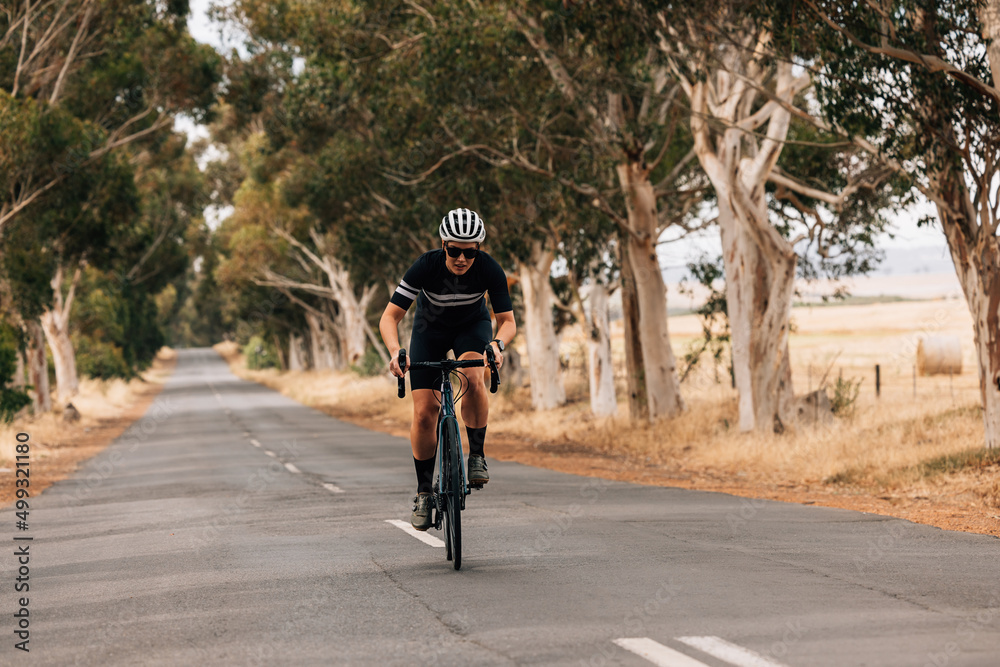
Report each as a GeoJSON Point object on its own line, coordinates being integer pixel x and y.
{"type": "Point", "coordinates": [452, 457]}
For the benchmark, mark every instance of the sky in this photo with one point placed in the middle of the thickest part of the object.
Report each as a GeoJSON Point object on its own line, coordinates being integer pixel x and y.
{"type": "Point", "coordinates": [908, 249]}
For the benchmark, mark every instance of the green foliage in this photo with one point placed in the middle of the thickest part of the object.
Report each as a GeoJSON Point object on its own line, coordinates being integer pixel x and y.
{"type": "Point", "coordinates": [117, 331]}
{"type": "Point", "coordinates": [11, 400]}
{"type": "Point", "coordinates": [371, 364]}
{"type": "Point", "coordinates": [260, 353]}
{"type": "Point", "coordinates": [845, 396]}
{"type": "Point", "coordinates": [715, 336]}
{"type": "Point", "coordinates": [101, 359]}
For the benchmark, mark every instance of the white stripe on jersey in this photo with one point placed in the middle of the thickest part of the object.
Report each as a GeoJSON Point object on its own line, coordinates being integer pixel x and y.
{"type": "Point", "coordinates": [453, 299]}
{"type": "Point", "coordinates": [407, 293]}
{"type": "Point", "coordinates": [406, 290]}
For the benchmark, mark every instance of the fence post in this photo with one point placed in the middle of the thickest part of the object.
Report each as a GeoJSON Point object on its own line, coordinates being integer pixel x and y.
{"type": "Point", "coordinates": [878, 381]}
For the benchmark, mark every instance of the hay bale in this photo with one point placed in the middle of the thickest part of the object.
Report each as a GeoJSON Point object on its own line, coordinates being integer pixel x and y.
{"type": "Point", "coordinates": [939, 355]}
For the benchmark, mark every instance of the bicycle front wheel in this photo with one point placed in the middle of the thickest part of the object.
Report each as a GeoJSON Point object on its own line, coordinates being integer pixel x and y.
{"type": "Point", "coordinates": [453, 495]}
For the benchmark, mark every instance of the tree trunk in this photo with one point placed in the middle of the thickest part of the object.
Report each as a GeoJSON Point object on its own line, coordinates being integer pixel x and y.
{"type": "Point", "coordinates": [322, 354]}
{"type": "Point", "coordinates": [297, 358]}
{"type": "Point", "coordinates": [989, 14]}
{"type": "Point", "coordinates": [278, 348]}
{"type": "Point", "coordinates": [350, 331]}
{"type": "Point", "coordinates": [738, 261]}
{"type": "Point", "coordinates": [601, 370]}
{"type": "Point", "coordinates": [55, 324]}
{"type": "Point", "coordinates": [978, 267]}
{"type": "Point", "coordinates": [759, 263]}
{"type": "Point", "coordinates": [38, 369]}
{"type": "Point", "coordinates": [349, 320]}
{"type": "Point", "coordinates": [547, 389]}
{"type": "Point", "coordinates": [638, 406]}
{"type": "Point", "coordinates": [19, 381]}
{"type": "Point", "coordinates": [772, 312]}
{"type": "Point", "coordinates": [659, 364]}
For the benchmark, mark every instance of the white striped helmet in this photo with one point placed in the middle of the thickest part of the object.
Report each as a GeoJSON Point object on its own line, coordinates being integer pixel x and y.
{"type": "Point", "coordinates": [462, 224]}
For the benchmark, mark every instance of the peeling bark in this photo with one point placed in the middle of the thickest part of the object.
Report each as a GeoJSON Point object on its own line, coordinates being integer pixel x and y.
{"type": "Point", "coordinates": [658, 362]}
{"type": "Point", "coordinates": [600, 369]}
{"type": "Point", "coordinates": [638, 406]}
{"type": "Point", "coordinates": [759, 263]}
{"type": "Point", "coordinates": [322, 348]}
{"type": "Point", "coordinates": [38, 369]}
{"type": "Point", "coordinates": [977, 262]}
{"type": "Point", "coordinates": [547, 390]}
{"type": "Point", "coordinates": [55, 324]}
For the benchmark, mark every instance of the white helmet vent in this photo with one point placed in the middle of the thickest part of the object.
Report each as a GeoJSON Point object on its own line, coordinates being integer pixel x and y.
{"type": "Point", "coordinates": [463, 225]}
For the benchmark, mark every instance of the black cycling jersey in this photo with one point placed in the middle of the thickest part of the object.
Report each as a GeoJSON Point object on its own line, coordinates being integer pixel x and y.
{"type": "Point", "coordinates": [444, 298]}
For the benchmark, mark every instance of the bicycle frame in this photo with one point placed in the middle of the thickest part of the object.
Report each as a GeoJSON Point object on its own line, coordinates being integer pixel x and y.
{"type": "Point", "coordinates": [446, 412]}
{"type": "Point", "coordinates": [448, 499]}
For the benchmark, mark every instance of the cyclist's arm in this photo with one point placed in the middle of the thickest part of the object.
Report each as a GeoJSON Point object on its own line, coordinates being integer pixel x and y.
{"type": "Point", "coordinates": [388, 326]}
{"type": "Point", "coordinates": [506, 327]}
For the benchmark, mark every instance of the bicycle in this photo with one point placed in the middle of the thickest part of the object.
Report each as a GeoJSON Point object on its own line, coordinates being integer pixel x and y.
{"type": "Point", "coordinates": [450, 489]}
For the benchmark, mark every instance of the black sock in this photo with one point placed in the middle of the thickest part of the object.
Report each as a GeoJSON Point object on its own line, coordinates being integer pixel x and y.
{"type": "Point", "coordinates": [425, 474]}
{"type": "Point", "coordinates": [477, 438]}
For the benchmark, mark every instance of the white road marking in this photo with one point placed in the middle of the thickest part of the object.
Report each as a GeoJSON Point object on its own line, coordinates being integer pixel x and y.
{"type": "Point", "coordinates": [218, 396]}
{"type": "Point", "coordinates": [270, 453]}
{"type": "Point", "coordinates": [255, 443]}
{"type": "Point", "coordinates": [332, 488]}
{"type": "Point", "coordinates": [291, 468]}
{"type": "Point", "coordinates": [423, 537]}
{"type": "Point", "coordinates": [657, 653]}
{"type": "Point", "coordinates": [732, 653]}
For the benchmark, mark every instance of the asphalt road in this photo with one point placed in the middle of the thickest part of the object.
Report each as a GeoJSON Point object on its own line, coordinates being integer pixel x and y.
{"type": "Point", "coordinates": [234, 526]}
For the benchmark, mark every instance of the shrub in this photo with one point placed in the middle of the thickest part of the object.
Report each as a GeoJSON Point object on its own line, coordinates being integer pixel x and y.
{"type": "Point", "coordinates": [371, 364]}
{"type": "Point", "coordinates": [260, 354]}
{"type": "Point", "coordinates": [845, 394]}
{"type": "Point", "coordinates": [101, 359]}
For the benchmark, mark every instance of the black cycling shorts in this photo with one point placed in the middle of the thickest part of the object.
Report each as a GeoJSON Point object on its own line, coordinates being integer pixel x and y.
{"type": "Point", "coordinates": [432, 344]}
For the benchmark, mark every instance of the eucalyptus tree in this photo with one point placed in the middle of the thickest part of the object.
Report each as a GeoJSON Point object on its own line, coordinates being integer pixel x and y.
{"type": "Point", "coordinates": [83, 80]}
{"type": "Point", "coordinates": [128, 67]}
{"type": "Point", "coordinates": [334, 119]}
{"type": "Point", "coordinates": [918, 84]}
{"type": "Point", "coordinates": [745, 89]}
{"type": "Point", "coordinates": [574, 97]}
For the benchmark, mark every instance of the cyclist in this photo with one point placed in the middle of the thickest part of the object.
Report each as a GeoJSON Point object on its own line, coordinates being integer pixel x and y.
{"type": "Point", "coordinates": [449, 285]}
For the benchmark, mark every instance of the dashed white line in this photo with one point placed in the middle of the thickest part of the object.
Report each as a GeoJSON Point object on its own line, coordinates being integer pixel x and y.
{"type": "Point", "coordinates": [332, 488]}
{"type": "Point", "coordinates": [423, 537]}
{"type": "Point", "coordinates": [291, 468]}
{"type": "Point", "coordinates": [657, 653]}
{"type": "Point", "coordinates": [270, 453]}
{"type": "Point", "coordinates": [255, 443]}
{"type": "Point", "coordinates": [732, 653]}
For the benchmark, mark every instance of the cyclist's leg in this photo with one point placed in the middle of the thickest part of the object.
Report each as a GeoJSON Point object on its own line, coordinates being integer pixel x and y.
{"type": "Point", "coordinates": [471, 344]}
{"type": "Point", "coordinates": [425, 345]}
{"type": "Point", "coordinates": [475, 404]}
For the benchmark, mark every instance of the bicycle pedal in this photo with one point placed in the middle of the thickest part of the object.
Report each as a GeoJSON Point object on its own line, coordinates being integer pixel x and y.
{"type": "Point", "coordinates": [476, 486]}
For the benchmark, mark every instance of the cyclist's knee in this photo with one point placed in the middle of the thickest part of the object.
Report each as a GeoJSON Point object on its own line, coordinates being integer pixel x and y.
{"type": "Point", "coordinates": [477, 384]}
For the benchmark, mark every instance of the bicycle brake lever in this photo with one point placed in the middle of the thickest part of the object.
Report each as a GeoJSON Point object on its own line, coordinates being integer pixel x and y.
{"type": "Point", "coordinates": [491, 361]}
{"type": "Point", "coordinates": [402, 378]}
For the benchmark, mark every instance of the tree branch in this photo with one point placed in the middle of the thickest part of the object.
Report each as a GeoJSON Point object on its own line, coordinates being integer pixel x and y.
{"type": "Point", "coordinates": [930, 62]}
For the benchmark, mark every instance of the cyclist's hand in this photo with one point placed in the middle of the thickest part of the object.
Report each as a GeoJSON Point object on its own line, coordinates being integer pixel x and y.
{"type": "Point", "coordinates": [394, 366]}
{"type": "Point", "coordinates": [498, 355]}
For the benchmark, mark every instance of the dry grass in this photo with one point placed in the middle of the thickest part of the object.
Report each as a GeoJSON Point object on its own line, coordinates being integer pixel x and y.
{"type": "Point", "coordinates": [887, 447]}
{"type": "Point", "coordinates": [99, 402]}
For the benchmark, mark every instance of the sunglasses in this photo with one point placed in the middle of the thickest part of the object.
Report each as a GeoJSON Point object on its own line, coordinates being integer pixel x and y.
{"type": "Point", "coordinates": [470, 253]}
